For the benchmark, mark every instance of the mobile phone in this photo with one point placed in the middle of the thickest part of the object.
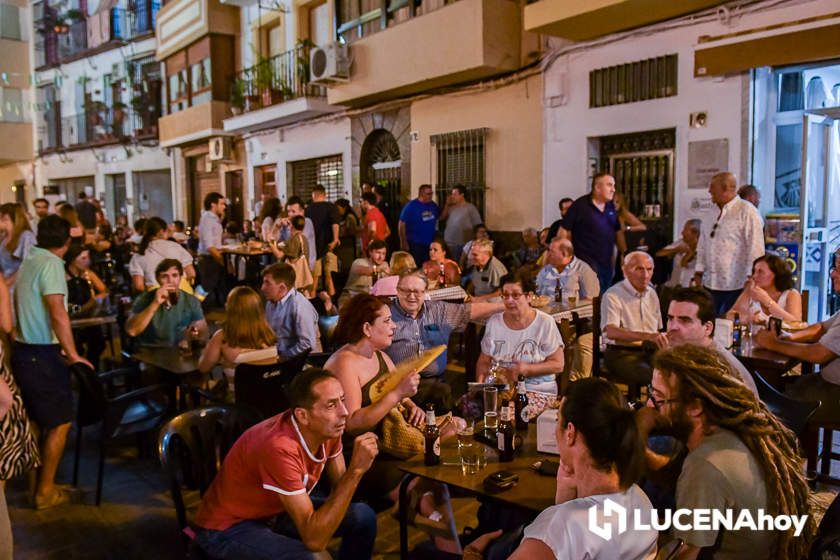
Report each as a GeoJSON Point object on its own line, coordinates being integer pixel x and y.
{"type": "Point", "coordinates": [500, 481]}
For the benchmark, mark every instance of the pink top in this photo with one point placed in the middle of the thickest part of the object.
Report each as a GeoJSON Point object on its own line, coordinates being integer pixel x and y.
{"type": "Point", "coordinates": [386, 286]}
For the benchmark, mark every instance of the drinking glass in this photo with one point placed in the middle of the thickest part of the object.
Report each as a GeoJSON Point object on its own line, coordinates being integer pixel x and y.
{"type": "Point", "coordinates": [491, 403]}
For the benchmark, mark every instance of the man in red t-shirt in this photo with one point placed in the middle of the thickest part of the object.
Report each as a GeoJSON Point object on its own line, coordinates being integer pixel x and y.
{"type": "Point", "coordinates": [272, 468]}
{"type": "Point", "coordinates": [376, 226]}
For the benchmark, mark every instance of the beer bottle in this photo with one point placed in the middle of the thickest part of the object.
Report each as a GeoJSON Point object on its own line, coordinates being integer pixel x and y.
{"type": "Point", "coordinates": [558, 292]}
{"type": "Point", "coordinates": [505, 434]}
{"type": "Point", "coordinates": [432, 436]}
{"type": "Point", "coordinates": [736, 331]}
{"type": "Point", "coordinates": [442, 276]}
{"type": "Point", "coordinates": [521, 402]}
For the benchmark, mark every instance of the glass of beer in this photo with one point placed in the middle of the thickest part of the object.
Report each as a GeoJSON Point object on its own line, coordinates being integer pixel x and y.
{"type": "Point", "coordinates": [491, 404]}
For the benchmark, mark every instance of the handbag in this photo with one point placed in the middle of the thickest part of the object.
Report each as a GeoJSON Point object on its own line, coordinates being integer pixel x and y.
{"type": "Point", "coordinates": [303, 274]}
{"type": "Point", "coordinates": [401, 439]}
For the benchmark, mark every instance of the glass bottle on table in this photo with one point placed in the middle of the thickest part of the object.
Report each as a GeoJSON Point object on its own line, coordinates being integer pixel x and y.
{"type": "Point", "coordinates": [521, 403]}
{"type": "Point", "coordinates": [431, 435]}
{"type": "Point", "coordinates": [505, 433]}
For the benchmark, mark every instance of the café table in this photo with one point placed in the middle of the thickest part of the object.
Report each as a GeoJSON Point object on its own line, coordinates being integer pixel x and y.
{"type": "Point", "coordinates": [771, 365]}
{"type": "Point", "coordinates": [534, 492]}
{"type": "Point", "coordinates": [174, 362]}
{"type": "Point", "coordinates": [236, 253]}
{"type": "Point", "coordinates": [97, 321]}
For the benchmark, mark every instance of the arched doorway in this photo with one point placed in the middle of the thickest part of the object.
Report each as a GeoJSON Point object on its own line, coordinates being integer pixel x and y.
{"type": "Point", "coordinates": [381, 164]}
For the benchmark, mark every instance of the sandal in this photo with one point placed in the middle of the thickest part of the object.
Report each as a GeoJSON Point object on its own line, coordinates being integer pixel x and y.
{"type": "Point", "coordinates": [59, 497]}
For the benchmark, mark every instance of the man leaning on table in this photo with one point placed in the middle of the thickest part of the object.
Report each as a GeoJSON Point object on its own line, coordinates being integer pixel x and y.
{"type": "Point", "coordinates": [259, 505]}
{"type": "Point", "coordinates": [817, 344]}
{"type": "Point", "coordinates": [167, 316]}
{"type": "Point", "coordinates": [576, 278]}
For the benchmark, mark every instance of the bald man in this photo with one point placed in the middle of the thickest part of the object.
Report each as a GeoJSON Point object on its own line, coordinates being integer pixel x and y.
{"type": "Point", "coordinates": [732, 238]}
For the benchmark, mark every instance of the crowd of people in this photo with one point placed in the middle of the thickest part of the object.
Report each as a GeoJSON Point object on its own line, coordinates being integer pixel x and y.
{"type": "Point", "coordinates": [327, 258]}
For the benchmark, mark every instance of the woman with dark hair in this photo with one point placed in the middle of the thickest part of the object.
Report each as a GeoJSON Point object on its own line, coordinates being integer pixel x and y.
{"type": "Point", "coordinates": [85, 292]}
{"type": "Point", "coordinates": [769, 293]}
{"type": "Point", "coordinates": [155, 247]}
{"type": "Point", "coordinates": [17, 239]}
{"type": "Point", "coordinates": [268, 219]}
{"type": "Point", "coordinates": [348, 234]}
{"type": "Point", "coordinates": [77, 230]}
{"type": "Point", "coordinates": [440, 262]}
{"type": "Point", "coordinates": [601, 458]}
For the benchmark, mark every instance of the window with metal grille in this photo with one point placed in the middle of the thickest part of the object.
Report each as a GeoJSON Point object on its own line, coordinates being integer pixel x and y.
{"type": "Point", "coordinates": [635, 81]}
{"type": "Point", "coordinates": [460, 160]}
{"type": "Point", "coordinates": [305, 174]}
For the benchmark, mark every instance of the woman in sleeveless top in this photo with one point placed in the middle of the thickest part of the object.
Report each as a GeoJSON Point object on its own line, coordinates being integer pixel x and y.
{"type": "Point", "coordinates": [365, 325]}
{"type": "Point", "coordinates": [769, 293]}
{"type": "Point", "coordinates": [154, 247]}
{"type": "Point", "coordinates": [245, 329]}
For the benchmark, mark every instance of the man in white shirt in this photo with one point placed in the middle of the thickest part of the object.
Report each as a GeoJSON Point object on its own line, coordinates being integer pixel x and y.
{"type": "Point", "coordinates": [576, 279]}
{"type": "Point", "coordinates": [691, 320]}
{"type": "Point", "coordinates": [729, 244]}
{"type": "Point", "coordinates": [630, 324]}
{"type": "Point", "coordinates": [211, 262]}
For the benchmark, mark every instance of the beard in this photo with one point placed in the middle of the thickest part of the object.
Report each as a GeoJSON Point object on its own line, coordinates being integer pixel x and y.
{"type": "Point", "coordinates": [679, 424]}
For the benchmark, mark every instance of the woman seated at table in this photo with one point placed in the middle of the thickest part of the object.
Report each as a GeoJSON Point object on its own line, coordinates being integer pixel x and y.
{"type": "Point", "coordinates": [401, 262]}
{"type": "Point", "coordinates": [245, 330]}
{"type": "Point", "coordinates": [768, 293]}
{"type": "Point", "coordinates": [154, 247]}
{"type": "Point", "coordinates": [365, 325]}
{"type": "Point", "coordinates": [364, 270]}
{"type": "Point", "coordinates": [85, 293]}
{"type": "Point", "coordinates": [601, 458]}
{"type": "Point", "coordinates": [439, 261]}
{"type": "Point", "coordinates": [522, 340]}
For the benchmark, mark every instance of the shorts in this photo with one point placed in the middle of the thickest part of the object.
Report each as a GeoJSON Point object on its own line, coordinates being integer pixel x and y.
{"type": "Point", "coordinates": [44, 380]}
{"type": "Point", "coordinates": [328, 262]}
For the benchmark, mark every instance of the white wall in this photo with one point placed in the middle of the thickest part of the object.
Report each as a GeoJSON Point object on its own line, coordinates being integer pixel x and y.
{"type": "Point", "coordinates": [726, 99]}
{"type": "Point", "coordinates": [306, 141]}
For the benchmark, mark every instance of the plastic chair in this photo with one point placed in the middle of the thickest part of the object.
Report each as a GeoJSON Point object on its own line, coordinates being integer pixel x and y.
{"type": "Point", "coordinates": [793, 413]}
{"type": "Point", "coordinates": [133, 412]}
{"type": "Point", "coordinates": [827, 543]}
{"type": "Point", "coordinates": [192, 447]}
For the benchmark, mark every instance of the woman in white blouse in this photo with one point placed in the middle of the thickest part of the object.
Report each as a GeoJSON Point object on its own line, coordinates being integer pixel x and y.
{"type": "Point", "coordinates": [269, 219]}
{"type": "Point", "coordinates": [769, 293]}
{"type": "Point", "coordinates": [154, 247]}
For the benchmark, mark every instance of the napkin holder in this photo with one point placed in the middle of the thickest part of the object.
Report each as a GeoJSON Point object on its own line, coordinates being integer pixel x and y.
{"type": "Point", "coordinates": [723, 332]}
{"type": "Point", "coordinates": [546, 425]}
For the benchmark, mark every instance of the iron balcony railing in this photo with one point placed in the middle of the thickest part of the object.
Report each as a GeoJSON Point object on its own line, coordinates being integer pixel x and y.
{"type": "Point", "coordinates": [74, 40]}
{"type": "Point", "coordinates": [274, 80]}
{"type": "Point", "coordinates": [100, 126]}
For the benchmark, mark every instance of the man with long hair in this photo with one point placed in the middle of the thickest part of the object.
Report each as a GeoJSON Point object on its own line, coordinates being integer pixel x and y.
{"type": "Point", "coordinates": [740, 456]}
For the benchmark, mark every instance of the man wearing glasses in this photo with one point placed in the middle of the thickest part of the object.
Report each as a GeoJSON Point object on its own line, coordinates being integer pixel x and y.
{"type": "Point", "coordinates": [420, 325]}
{"type": "Point", "coordinates": [817, 344]}
{"type": "Point", "coordinates": [729, 244]}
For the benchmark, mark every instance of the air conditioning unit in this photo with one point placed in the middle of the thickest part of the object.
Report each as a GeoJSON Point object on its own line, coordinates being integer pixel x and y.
{"type": "Point", "coordinates": [220, 149]}
{"type": "Point", "coordinates": [329, 64]}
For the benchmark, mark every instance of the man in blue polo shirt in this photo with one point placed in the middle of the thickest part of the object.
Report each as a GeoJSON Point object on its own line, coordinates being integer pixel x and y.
{"type": "Point", "coordinates": [418, 224]}
{"type": "Point", "coordinates": [591, 223]}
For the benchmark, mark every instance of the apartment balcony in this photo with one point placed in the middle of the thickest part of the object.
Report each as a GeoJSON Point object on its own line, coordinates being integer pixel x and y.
{"type": "Point", "coordinates": [74, 41]}
{"type": "Point", "coordinates": [18, 144]}
{"type": "Point", "coordinates": [582, 20]}
{"type": "Point", "coordinates": [118, 25]}
{"type": "Point", "coordinates": [193, 123]}
{"type": "Point", "coordinates": [276, 92]}
{"type": "Point", "coordinates": [460, 42]}
{"type": "Point", "coordinates": [98, 126]}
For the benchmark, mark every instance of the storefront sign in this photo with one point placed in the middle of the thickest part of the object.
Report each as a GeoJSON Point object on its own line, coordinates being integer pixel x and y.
{"type": "Point", "coordinates": [705, 160]}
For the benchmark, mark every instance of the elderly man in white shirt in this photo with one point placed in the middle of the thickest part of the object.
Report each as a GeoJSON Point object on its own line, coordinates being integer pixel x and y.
{"type": "Point", "coordinates": [576, 278]}
{"type": "Point", "coordinates": [630, 323]}
{"type": "Point", "coordinates": [729, 244]}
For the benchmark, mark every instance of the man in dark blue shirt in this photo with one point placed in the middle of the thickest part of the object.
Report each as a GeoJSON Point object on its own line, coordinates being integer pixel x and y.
{"type": "Point", "coordinates": [418, 224]}
{"type": "Point", "coordinates": [592, 223]}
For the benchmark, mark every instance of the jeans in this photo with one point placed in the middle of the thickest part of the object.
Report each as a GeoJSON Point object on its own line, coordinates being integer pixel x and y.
{"type": "Point", "coordinates": [257, 540]}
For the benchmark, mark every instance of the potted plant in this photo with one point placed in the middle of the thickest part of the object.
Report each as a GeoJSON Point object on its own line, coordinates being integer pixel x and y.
{"type": "Point", "coordinates": [237, 96]}
{"type": "Point", "coordinates": [264, 81]}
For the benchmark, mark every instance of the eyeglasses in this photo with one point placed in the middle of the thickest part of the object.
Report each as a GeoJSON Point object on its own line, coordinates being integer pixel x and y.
{"type": "Point", "coordinates": [506, 295]}
{"type": "Point", "coordinates": [417, 293]}
{"type": "Point", "coordinates": [658, 402]}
